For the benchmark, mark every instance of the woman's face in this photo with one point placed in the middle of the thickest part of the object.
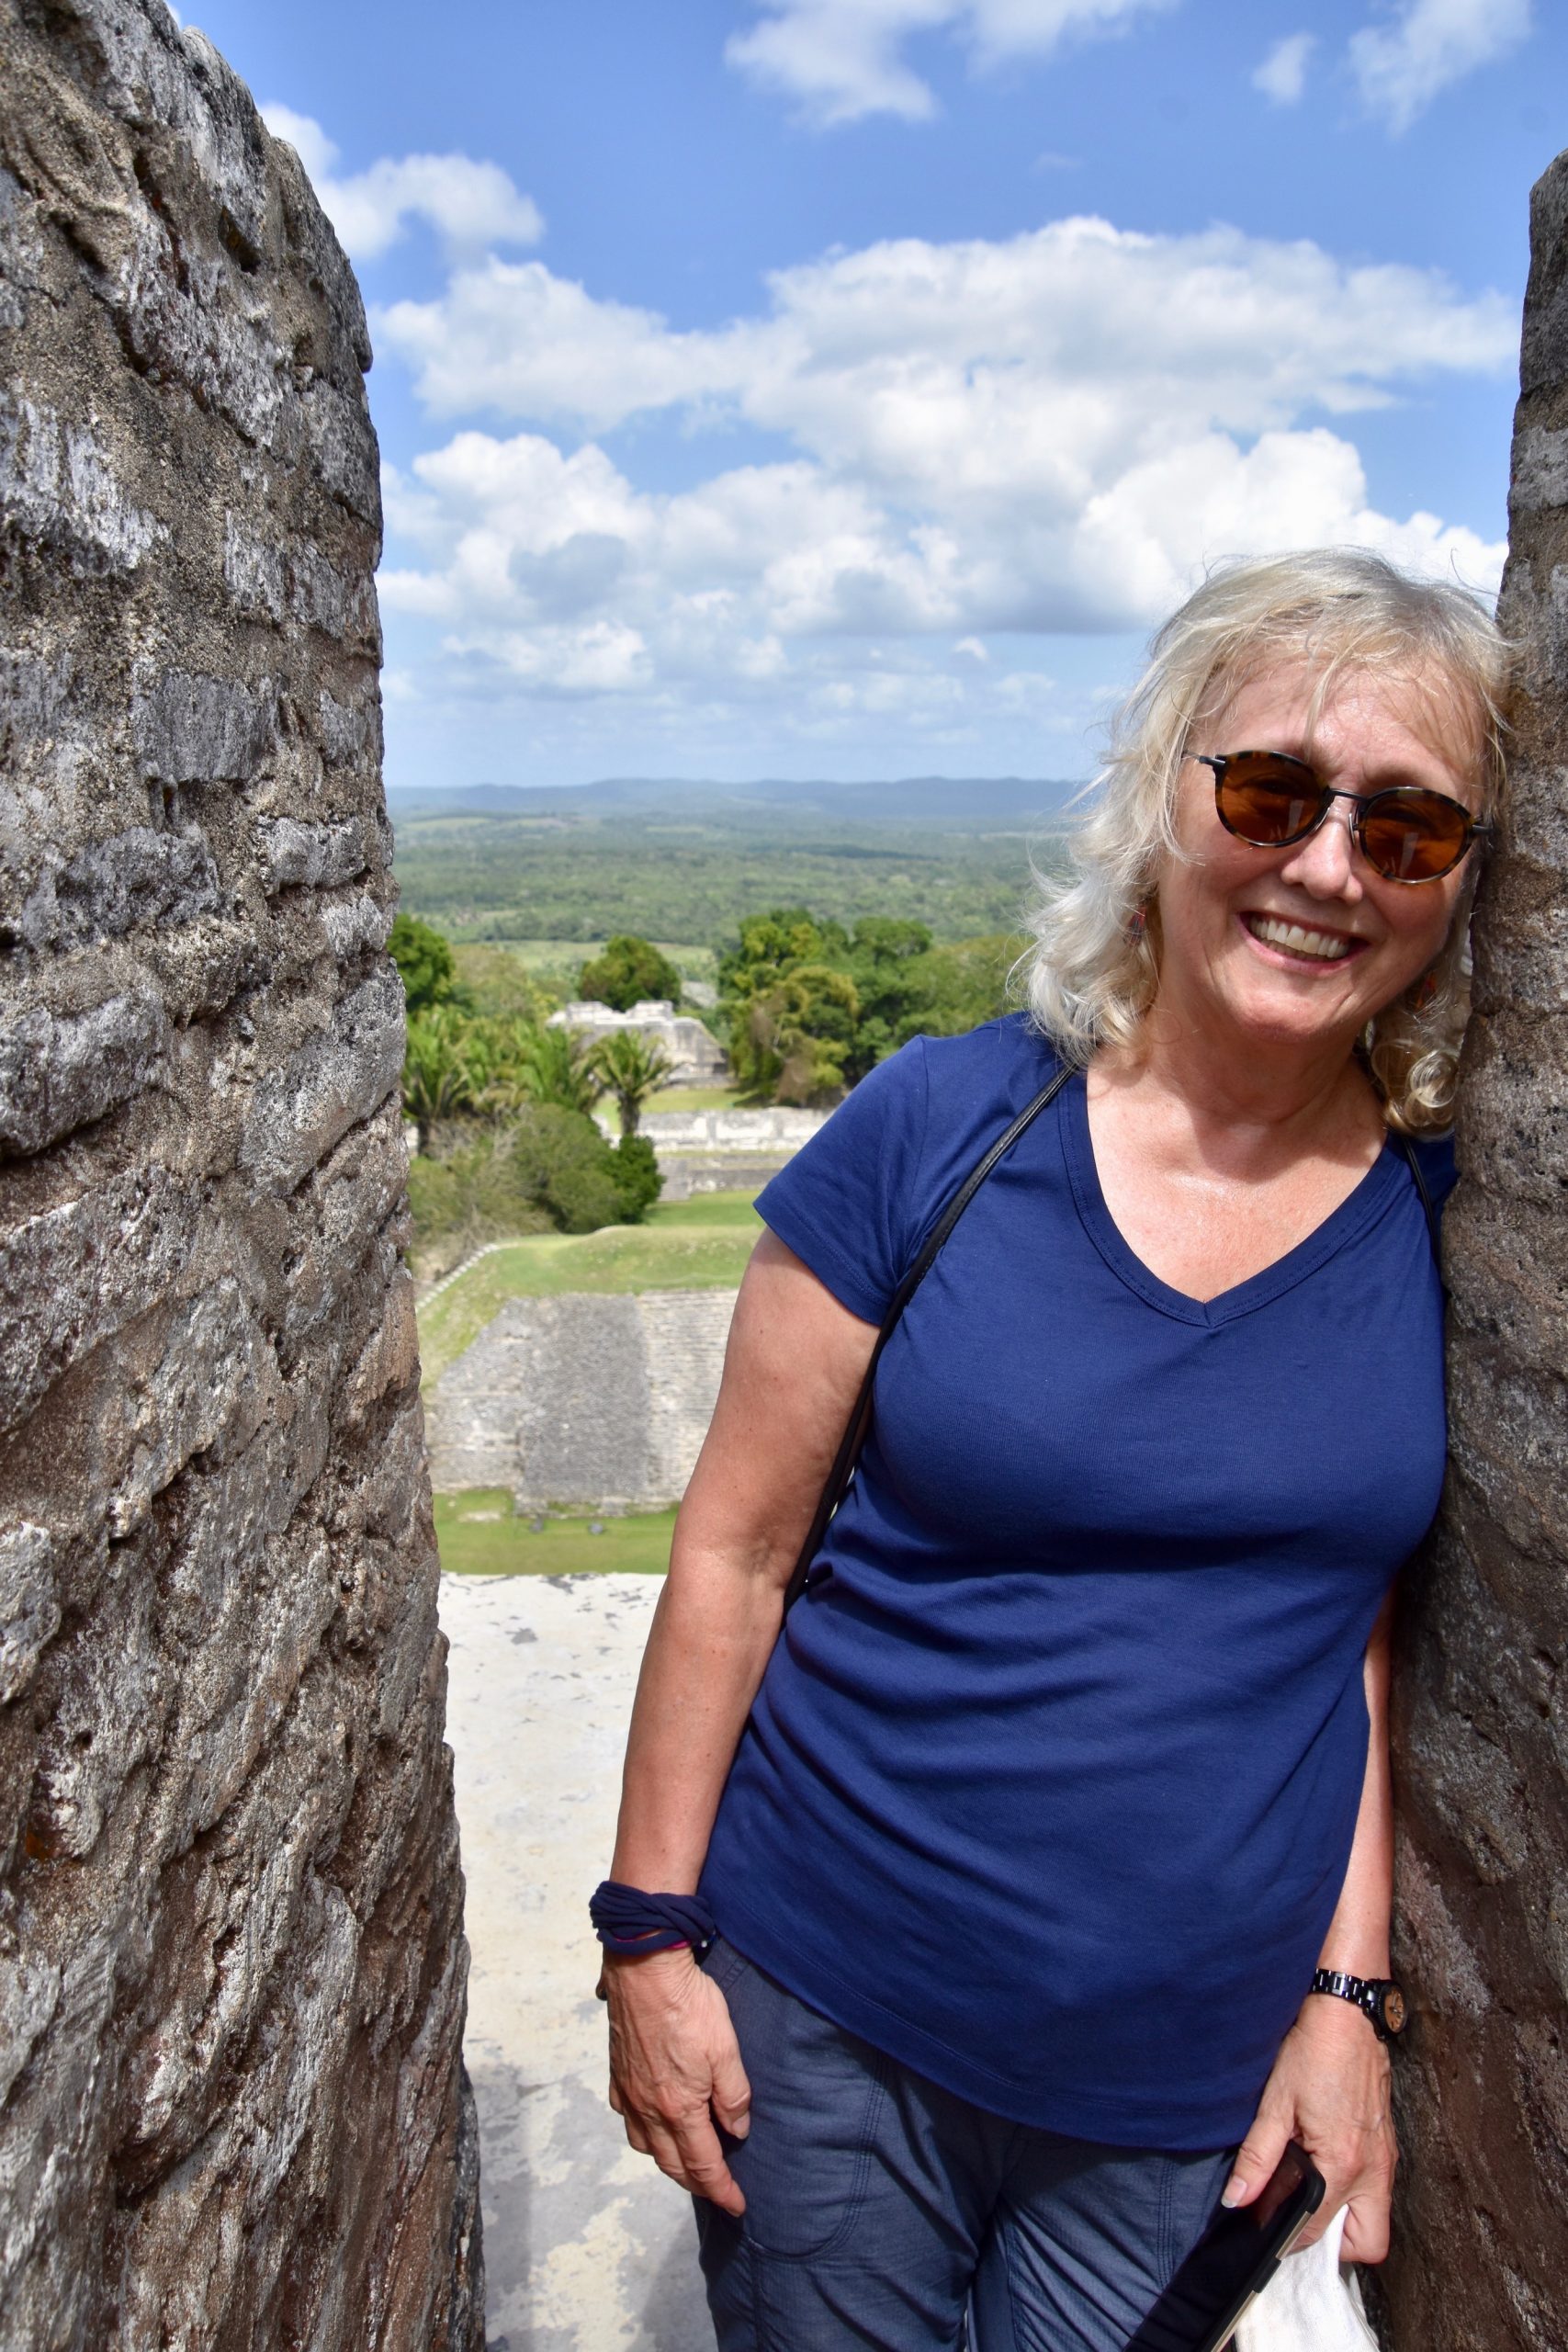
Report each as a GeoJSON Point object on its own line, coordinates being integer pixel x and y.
{"type": "Point", "coordinates": [1299, 947]}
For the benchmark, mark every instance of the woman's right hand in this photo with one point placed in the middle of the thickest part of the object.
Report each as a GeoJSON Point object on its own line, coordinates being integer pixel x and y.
{"type": "Point", "coordinates": [674, 2068]}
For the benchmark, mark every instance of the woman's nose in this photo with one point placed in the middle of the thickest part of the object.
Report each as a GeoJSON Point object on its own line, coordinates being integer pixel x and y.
{"type": "Point", "coordinates": [1327, 862]}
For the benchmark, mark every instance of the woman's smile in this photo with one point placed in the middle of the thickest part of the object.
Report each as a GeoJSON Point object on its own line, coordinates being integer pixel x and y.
{"type": "Point", "coordinates": [1300, 944]}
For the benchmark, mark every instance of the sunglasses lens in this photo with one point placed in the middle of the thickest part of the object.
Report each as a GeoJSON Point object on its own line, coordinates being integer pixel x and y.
{"type": "Point", "coordinates": [1406, 835]}
{"type": "Point", "coordinates": [1413, 836]}
{"type": "Point", "coordinates": [1266, 800]}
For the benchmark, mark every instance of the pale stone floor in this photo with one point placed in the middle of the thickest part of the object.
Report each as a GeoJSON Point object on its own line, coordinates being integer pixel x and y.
{"type": "Point", "coordinates": [587, 2248]}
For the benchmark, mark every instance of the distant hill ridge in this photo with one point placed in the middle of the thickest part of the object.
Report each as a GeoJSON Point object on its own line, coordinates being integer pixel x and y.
{"type": "Point", "coordinates": [945, 802]}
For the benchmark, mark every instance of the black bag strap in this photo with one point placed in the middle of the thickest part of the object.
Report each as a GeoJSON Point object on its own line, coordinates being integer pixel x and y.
{"type": "Point", "coordinates": [854, 1435]}
{"type": "Point", "coordinates": [1423, 1193]}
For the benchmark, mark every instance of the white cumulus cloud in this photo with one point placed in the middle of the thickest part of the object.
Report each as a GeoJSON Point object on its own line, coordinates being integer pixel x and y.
{"type": "Point", "coordinates": [559, 570]}
{"type": "Point", "coordinates": [1400, 66]}
{"type": "Point", "coordinates": [1282, 75]}
{"type": "Point", "coordinates": [949, 448]}
{"type": "Point", "coordinates": [471, 205]}
{"type": "Point", "coordinates": [970, 364]}
{"type": "Point", "coordinates": [1051, 433]}
{"type": "Point", "coordinates": [841, 60]}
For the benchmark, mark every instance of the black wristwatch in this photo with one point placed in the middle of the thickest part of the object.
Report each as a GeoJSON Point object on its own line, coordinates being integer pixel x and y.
{"type": "Point", "coordinates": [1379, 1997]}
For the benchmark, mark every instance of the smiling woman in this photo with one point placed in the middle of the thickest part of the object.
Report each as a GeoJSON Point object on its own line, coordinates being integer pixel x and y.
{"type": "Point", "coordinates": [1389, 684]}
{"type": "Point", "coordinates": [1032, 1891]}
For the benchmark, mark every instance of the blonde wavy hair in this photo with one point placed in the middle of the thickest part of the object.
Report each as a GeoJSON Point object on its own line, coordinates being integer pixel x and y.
{"type": "Point", "coordinates": [1093, 972]}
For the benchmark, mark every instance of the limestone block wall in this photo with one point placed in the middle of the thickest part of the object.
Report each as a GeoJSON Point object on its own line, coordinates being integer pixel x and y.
{"type": "Point", "coordinates": [688, 1174]}
{"type": "Point", "coordinates": [578, 1399]}
{"type": "Point", "coordinates": [723, 1151]}
{"type": "Point", "coordinates": [1481, 2248]}
{"type": "Point", "coordinates": [231, 1961]}
{"type": "Point", "coordinates": [774, 1132]}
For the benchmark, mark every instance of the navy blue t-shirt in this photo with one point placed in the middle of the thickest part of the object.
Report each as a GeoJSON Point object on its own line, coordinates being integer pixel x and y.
{"type": "Point", "coordinates": [1051, 1783]}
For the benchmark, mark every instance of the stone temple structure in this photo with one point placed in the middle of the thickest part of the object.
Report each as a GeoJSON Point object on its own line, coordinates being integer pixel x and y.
{"type": "Point", "coordinates": [695, 1054]}
{"type": "Point", "coordinates": [232, 1970]}
{"type": "Point", "coordinates": [583, 1399]}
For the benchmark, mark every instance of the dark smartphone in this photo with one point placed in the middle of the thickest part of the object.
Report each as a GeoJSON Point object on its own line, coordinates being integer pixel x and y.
{"type": "Point", "coordinates": [1233, 2262]}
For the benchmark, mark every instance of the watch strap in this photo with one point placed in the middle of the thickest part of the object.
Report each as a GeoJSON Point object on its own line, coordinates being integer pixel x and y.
{"type": "Point", "coordinates": [1377, 1997]}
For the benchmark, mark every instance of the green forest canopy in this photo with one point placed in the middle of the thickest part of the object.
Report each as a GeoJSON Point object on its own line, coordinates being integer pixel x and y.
{"type": "Point", "coordinates": [837, 936]}
{"type": "Point", "coordinates": [666, 877]}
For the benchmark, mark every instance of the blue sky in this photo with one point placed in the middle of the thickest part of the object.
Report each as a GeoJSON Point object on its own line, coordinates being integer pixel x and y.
{"type": "Point", "coordinates": [843, 388]}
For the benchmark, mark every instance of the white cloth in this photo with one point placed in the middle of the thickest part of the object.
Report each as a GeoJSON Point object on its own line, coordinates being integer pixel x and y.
{"type": "Point", "coordinates": [1312, 2304]}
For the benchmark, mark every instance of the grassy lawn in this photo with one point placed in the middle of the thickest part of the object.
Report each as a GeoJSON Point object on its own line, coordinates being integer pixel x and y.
{"type": "Point", "coordinates": [692, 960]}
{"type": "Point", "coordinates": [695, 1097]}
{"type": "Point", "coordinates": [731, 1210]}
{"type": "Point", "coordinates": [479, 1536]}
{"type": "Point", "coordinates": [689, 1245]}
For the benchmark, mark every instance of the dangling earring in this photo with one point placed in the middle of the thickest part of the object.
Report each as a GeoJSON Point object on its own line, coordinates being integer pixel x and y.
{"type": "Point", "coordinates": [1137, 924]}
{"type": "Point", "coordinates": [1426, 994]}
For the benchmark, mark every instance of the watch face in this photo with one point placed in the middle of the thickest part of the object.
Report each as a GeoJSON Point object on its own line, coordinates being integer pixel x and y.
{"type": "Point", "coordinates": [1391, 2005]}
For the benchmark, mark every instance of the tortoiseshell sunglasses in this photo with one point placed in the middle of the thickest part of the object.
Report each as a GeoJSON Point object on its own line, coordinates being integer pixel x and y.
{"type": "Point", "coordinates": [1407, 832]}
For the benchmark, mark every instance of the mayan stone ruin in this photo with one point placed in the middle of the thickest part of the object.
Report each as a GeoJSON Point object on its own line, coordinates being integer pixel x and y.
{"type": "Point", "coordinates": [695, 1054]}
{"type": "Point", "coordinates": [1481, 2248]}
{"type": "Point", "coordinates": [231, 1960]}
{"type": "Point", "coordinates": [603, 1402]}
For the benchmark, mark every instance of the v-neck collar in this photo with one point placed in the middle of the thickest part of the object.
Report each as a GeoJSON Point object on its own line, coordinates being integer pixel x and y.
{"type": "Point", "coordinates": [1342, 1224]}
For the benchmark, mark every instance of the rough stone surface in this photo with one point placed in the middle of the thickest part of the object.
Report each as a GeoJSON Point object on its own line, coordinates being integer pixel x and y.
{"type": "Point", "coordinates": [1481, 2246]}
{"type": "Point", "coordinates": [231, 1961]}
{"type": "Point", "coordinates": [583, 1399]}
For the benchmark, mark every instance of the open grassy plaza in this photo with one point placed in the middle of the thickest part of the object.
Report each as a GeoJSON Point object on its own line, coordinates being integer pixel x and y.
{"type": "Point", "coordinates": [701, 1244]}
{"type": "Point", "coordinates": [481, 1535]}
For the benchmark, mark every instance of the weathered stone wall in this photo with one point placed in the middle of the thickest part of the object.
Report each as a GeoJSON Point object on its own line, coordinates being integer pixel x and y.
{"type": "Point", "coordinates": [776, 1133]}
{"type": "Point", "coordinates": [578, 1399]}
{"type": "Point", "coordinates": [722, 1151]}
{"type": "Point", "coordinates": [1480, 2258]}
{"type": "Point", "coordinates": [232, 1964]}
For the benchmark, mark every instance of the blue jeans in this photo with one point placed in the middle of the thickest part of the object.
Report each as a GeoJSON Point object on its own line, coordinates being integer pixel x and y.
{"type": "Point", "coordinates": [881, 2209]}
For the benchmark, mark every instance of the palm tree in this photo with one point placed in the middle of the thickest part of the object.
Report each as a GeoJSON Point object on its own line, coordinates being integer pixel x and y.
{"type": "Point", "coordinates": [632, 1067]}
{"type": "Point", "coordinates": [438, 1080]}
{"type": "Point", "coordinates": [555, 1065]}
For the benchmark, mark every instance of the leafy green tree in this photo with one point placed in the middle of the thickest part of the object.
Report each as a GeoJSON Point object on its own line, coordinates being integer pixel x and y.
{"type": "Point", "coordinates": [629, 972]}
{"type": "Point", "coordinates": [955, 988]}
{"type": "Point", "coordinates": [438, 1071]}
{"type": "Point", "coordinates": [770, 1020]}
{"type": "Point", "coordinates": [794, 1039]}
{"type": "Point", "coordinates": [632, 1067]}
{"type": "Point", "coordinates": [546, 1169]}
{"type": "Point", "coordinates": [772, 944]}
{"type": "Point", "coordinates": [499, 987]}
{"type": "Point", "coordinates": [811, 1007]}
{"type": "Point", "coordinates": [487, 1053]}
{"type": "Point", "coordinates": [425, 962]}
{"type": "Point", "coordinates": [638, 1177]}
{"type": "Point", "coordinates": [561, 1161]}
{"type": "Point", "coordinates": [884, 960]}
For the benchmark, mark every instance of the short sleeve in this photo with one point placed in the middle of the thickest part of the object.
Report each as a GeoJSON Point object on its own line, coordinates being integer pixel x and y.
{"type": "Point", "coordinates": [849, 1204]}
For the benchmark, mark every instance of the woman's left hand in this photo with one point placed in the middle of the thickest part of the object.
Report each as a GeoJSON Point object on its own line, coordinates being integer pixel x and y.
{"type": "Point", "coordinates": [1329, 2090]}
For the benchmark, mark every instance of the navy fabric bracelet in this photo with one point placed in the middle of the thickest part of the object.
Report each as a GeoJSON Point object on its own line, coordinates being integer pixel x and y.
{"type": "Point", "coordinates": [626, 1920]}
